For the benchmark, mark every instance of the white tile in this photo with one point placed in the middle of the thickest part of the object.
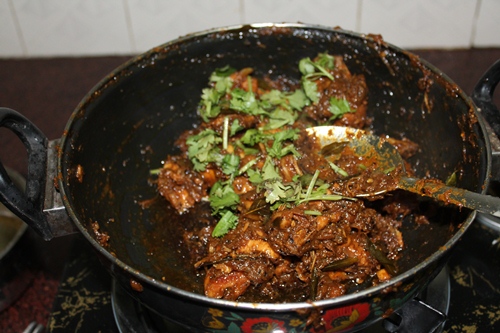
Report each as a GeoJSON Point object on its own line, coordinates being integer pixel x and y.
{"type": "Point", "coordinates": [155, 22]}
{"type": "Point", "coordinates": [420, 24]}
{"type": "Point", "coordinates": [487, 33]}
{"type": "Point", "coordinates": [73, 27]}
{"type": "Point", "coordinates": [10, 41]}
{"type": "Point", "coordinates": [330, 13]}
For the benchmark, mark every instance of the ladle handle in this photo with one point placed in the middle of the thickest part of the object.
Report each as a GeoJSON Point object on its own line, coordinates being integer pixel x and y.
{"type": "Point", "coordinates": [28, 205]}
{"type": "Point", "coordinates": [448, 194]}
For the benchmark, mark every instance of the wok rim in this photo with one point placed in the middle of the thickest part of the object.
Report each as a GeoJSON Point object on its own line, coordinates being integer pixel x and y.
{"type": "Point", "coordinates": [275, 307]}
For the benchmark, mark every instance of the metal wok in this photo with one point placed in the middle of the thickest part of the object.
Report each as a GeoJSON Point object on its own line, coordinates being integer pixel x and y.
{"type": "Point", "coordinates": [99, 170]}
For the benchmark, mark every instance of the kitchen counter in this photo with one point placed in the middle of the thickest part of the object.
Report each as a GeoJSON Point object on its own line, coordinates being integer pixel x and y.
{"type": "Point", "coordinates": [47, 90]}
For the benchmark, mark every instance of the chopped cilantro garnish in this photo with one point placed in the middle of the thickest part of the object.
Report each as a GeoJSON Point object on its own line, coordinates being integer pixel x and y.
{"type": "Point", "coordinates": [203, 148]}
{"type": "Point", "coordinates": [338, 169]}
{"type": "Point", "coordinates": [269, 170]}
{"type": "Point", "coordinates": [210, 98]}
{"type": "Point", "coordinates": [279, 118]}
{"type": "Point", "coordinates": [311, 184]}
{"type": "Point", "coordinates": [230, 164]}
{"type": "Point", "coordinates": [278, 149]}
{"type": "Point", "coordinates": [339, 107]}
{"type": "Point", "coordinates": [298, 99]}
{"type": "Point", "coordinates": [312, 70]}
{"type": "Point", "coordinates": [222, 196]}
{"type": "Point", "coordinates": [312, 212]}
{"type": "Point", "coordinates": [311, 90]}
{"type": "Point", "coordinates": [222, 73]}
{"type": "Point", "coordinates": [227, 222]}
{"type": "Point", "coordinates": [317, 68]}
{"type": "Point", "coordinates": [245, 101]}
{"type": "Point", "coordinates": [235, 127]}
{"type": "Point", "coordinates": [208, 104]}
{"type": "Point", "coordinates": [276, 112]}
{"type": "Point", "coordinates": [252, 137]}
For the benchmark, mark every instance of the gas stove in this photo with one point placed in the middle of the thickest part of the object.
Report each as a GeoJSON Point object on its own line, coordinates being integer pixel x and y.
{"type": "Point", "coordinates": [465, 295]}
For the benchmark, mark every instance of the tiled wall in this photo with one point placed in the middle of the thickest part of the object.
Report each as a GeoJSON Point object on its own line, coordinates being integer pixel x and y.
{"type": "Point", "coordinates": [41, 28]}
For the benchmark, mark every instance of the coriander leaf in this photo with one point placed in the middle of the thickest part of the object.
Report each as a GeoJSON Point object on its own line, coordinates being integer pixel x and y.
{"type": "Point", "coordinates": [311, 90]}
{"type": "Point", "coordinates": [278, 149]}
{"type": "Point", "coordinates": [269, 171]}
{"type": "Point", "coordinates": [208, 104]}
{"type": "Point", "coordinates": [245, 101]}
{"type": "Point", "coordinates": [230, 164]}
{"type": "Point", "coordinates": [325, 60]}
{"type": "Point", "coordinates": [224, 85]}
{"type": "Point", "coordinates": [289, 134]}
{"type": "Point", "coordinates": [312, 70]}
{"type": "Point", "coordinates": [306, 66]}
{"type": "Point", "coordinates": [227, 222]}
{"type": "Point", "coordinates": [280, 118]}
{"type": "Point", "coordinates": [339, 107]}
{"type": "Point", "coordinates": [235, 127]}
{"type": "Point", "coordinates": [202, 148]}
{"type": "Point", "coordinates": [274, 97]}
{"type": "Point", "coordinates": [222, 196]}
{"type": "Point", "coordinates": [297, 99]}
{"type": "Point", "coordinates": [246, 150]}
{"type": "Point", "coordinates": [221, 73]}
{"type": "Point", "coordinates": [254, 176]}
{"type": "Point", "coordinates": [252, 137]}
{"type": "Point", "coordinates": [275, 191]}
{"type": "Point", "coordinates": [285, 100]}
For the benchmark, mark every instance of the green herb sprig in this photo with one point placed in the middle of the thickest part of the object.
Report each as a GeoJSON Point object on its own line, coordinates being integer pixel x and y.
{"type": "Point", "coordinates": [279, 110]}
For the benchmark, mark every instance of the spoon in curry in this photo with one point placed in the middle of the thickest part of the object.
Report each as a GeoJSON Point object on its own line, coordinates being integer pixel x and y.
{"type": "Point", "coordinates": [382, 160]}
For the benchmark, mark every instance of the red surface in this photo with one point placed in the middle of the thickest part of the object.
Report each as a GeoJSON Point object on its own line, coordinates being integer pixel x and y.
{"type": "Point", "coordinates": [33, 305]}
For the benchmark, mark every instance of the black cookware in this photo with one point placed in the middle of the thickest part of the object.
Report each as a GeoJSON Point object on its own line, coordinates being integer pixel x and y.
{"type": "Point", "coordinates": [98, 172]}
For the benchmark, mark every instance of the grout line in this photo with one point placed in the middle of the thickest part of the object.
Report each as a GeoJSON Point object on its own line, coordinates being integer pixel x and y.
{"type": "Point", "coordinates": [474, 23]}
{"type": "Point", "coordinates": [130, 30]}
{"type": "Point", "coordinates": [358, 16]}
{"type": "Point", "coordinates": [17, 26]}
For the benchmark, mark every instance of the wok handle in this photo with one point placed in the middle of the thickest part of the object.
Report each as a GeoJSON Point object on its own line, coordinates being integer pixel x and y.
{"type": "Point", "coordinates": [27, 205]}
{"type": "Point", "coordinates": [483, 96]}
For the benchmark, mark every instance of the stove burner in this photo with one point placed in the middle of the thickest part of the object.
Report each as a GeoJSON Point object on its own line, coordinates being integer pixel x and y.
{"type": "Point", "coordinates": [432, 305]}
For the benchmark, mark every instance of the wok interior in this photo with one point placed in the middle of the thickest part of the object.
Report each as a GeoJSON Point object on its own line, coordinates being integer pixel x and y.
{"type": "Point", "coordinates": [128, 124]}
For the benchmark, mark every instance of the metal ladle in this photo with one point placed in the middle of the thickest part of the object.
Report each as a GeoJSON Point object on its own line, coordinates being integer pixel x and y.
{"type": "Point", "coordinates": [386, 157]}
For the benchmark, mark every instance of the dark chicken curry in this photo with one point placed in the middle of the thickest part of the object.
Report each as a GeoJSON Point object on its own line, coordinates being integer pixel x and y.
{"type": "Point", "coordinates": [286, 226]}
